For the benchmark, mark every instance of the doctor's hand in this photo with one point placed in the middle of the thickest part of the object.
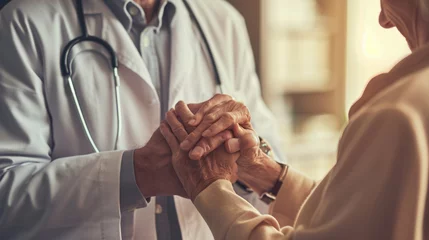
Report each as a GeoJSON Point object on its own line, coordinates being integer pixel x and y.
{"type": "Point", "coordinates": [154, 172]}
{"type": "Point", "coordinates": [217, 114]}
{"type": "Point", "coordinates": [198, 175]}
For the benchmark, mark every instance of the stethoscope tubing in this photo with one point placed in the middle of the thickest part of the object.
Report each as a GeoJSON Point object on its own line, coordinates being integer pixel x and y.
{"type": "Point", "coordinates": [65, 66]}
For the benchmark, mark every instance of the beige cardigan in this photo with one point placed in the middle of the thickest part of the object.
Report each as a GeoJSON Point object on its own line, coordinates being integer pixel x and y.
{"type": "Point", "coordinates": [377, 190]}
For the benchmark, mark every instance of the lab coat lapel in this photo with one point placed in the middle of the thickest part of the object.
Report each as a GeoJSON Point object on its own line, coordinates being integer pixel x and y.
{"type": "Point", "coordinates": [115, 34]}
{"type": "Point", "coordinates": [215, 41]}
{"type": "Point", "coordinates": [182, 50]}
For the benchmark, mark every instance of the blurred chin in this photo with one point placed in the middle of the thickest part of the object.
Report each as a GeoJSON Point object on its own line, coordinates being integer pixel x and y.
{"type": "Point", "coordinates": [145, 3]}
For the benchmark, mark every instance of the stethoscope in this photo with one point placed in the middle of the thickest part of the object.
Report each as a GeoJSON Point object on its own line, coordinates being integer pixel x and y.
{"type": "Point", "coordinates": [85, 37]}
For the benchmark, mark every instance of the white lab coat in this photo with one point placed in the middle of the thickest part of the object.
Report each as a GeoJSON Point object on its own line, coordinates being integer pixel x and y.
{"type": "Point", "coordinates": [52, 184]}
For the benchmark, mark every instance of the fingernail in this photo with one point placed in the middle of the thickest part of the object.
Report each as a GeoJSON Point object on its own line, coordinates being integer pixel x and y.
{"type": "Point", "coordinates": [185, 144]}
{"type": "Point", "coordinates": [207, 133]}
{"type": "Point", "coordinates": [197, 152]}
{"type": "Point", "coordinates": [192, 121]}
{"type": "Point", "coordinates": [234, 145]}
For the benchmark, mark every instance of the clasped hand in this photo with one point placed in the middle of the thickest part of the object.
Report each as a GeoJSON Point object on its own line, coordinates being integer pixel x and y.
{"type": "Point", "coordinates": [210, 144]}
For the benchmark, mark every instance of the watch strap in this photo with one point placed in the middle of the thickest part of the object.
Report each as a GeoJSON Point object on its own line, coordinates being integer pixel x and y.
{"type": "Point", "coordinates": [269, 197]}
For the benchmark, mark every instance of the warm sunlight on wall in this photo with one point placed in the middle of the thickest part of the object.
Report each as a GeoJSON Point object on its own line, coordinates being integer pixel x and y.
{"type": "Point", "coordinates": [371, 49]}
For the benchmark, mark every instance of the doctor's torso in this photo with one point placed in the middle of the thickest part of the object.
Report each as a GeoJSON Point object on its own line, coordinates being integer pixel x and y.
{"type": "Point", "coordinates": [48, 25]}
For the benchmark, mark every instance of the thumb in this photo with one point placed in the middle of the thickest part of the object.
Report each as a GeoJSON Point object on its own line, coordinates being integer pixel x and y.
{"type": "Point", "coordinates": [246, 141]}
{"type": "Point", "coordinates": [238, 130]}
{"type": "Point", "coordinates": [232, 145]}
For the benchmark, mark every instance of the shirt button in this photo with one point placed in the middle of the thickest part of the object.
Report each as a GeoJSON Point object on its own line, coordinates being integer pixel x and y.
{"type": "Point", "coordinates": [133, 11]}
{"type": "Point", "coordinates": [158, 209]}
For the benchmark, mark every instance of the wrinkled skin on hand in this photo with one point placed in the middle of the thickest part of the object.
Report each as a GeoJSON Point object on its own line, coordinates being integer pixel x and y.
{"type": "Point", "coordinates": [197, 175]}
{"type": "Point", "coordinates": [154, 172]}
{"type": "Point", "coordinates": [212, 117]}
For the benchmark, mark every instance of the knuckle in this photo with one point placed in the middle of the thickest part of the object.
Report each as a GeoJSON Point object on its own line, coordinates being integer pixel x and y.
{"type": "Point", "coordinates": [217, 140]}
{"type": "Point", "coordinates": [210, 117]}
{"type": "Point", "coordinates": [178, 132]}
{"type": "Point", "coordinates": [218, 95]}
{"type": "Point", "coordinates": [229, 117]}
{"type": "Point", "coordinates": [163, 125]}
{"type": "Point", "coordinates": [192, 136]}
{"type": "Point", "coordinates": [208, 105]}
{"type": "Point", "coordinates": [242, 106]}
{"type": "Point", "coordinates": [177, 106]}
{"type": "Point", "coordinates": [224, 96]}
{"type": "Point", "coordinates": [227, 134]}
{"type": "Point", "coordinates": [176, 129]}
{"type": "Point", "coordinates": [207, 145]}
{"type": "Point", "coordinates": [245, 108]}
{"type": "Point", "coordinates": [231, 102]}
{"type": "Point", "coordinates": [180, 105]}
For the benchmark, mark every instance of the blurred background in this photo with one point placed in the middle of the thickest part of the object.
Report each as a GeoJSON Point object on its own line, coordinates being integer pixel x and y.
{"type": "Point", "coordinates": [314, 58]}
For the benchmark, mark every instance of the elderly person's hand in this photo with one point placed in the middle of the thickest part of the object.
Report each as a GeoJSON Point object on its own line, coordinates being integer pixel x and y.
{"type": "Point", "coordinates": [215, 115]}
{"type": "Point", "coordinates": [152, 163]}
{"type": "Point", "coordinates": [153, 169]}
{"type": "Point", "coordinates": [212, 117]}
{"type": "Point", "coordinates": [256, 169]}
{"type": "Point", "coordinates": [197, 175]}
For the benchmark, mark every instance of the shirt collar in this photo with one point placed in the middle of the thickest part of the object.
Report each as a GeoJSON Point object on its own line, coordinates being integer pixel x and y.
{"type": "Point", "coordinates": [120, 9]}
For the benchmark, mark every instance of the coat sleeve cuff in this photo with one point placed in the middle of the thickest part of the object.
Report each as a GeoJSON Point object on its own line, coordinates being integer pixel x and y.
{"type": "Point", "coordinates": [130, 196]}
{"type": "Point", "coordinates": [295, 190]}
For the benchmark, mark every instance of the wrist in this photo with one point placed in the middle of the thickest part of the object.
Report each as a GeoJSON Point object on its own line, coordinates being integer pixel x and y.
{"type": "Point", "coordinates": [144, 173]}
{"type": "Point", "coordinates": [262, 175]}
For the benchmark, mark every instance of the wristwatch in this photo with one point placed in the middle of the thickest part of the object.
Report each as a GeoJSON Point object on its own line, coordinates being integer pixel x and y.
{"type": "Point", "coordinates": [266, 148]}
{"type": "Point", "coordinates": [269, 197]}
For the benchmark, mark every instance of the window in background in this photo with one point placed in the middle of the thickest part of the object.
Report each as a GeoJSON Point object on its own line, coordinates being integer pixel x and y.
{"type": "Point", "coordinates": [371, 49]}
{"type": "Point", "coordinates": [302, 73]}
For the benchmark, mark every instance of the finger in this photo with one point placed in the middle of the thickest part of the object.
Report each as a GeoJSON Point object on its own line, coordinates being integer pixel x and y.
{"type": "Point", "coordinates": [185, 114]}
{"type": "Point", "coordinates": [238, 130]}
{"type": "Point", "coordinates": [169, 137]}
{"type": "Point", "coordinates": [246, 141]}
{"type": "Point", "coordinates": [207, 106]}
{"type": "Point", "coordinates": [194, 107]}
{"type": "Point", "coordinates": [226, 121]}
{"type": "Point", "coordinates": [249, 140]}
{"type": "Point", "coordinates": [197, 133]}
{"type": "Point", "coordinates": [176, 126]}
{"type": "Point", "coordinates": [232, 145]}
{"type": "Point", "coordinates": [207, 145]}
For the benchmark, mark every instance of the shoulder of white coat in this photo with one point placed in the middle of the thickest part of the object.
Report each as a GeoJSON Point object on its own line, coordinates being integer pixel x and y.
{"type": "Point", "coordinates": [30, 12]}
{"type": "Point", "coordinates": [222, 10]}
